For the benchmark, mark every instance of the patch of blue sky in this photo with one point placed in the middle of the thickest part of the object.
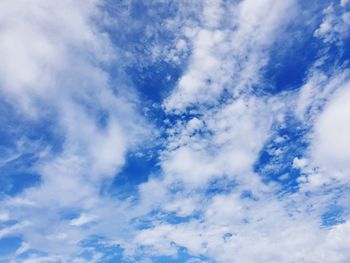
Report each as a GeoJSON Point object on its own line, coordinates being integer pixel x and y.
{"type": "Point", "coordinates": [334, 200]}
{"type": "Point", "coordinates": [68, 213]}
{"type": "Point", "coordinates": [333, 216]}
{"type": "Point", "coordinates": [144, 222]}
{"type": "Point", "coordinates": [154, 82]}
{"type": "Point", "coordinates": [153, 78]}
{"type": "Point", "coordinates": [156, 216]}
{"type": "Point", "coordinates": [248, 194]}
{"type": "Point", "coordinates": [7, 223]}
{"type": "Point", "coordinates": [174, 219]}
{"type": "Point", "coordinates": [220, 185]}
{"type": "Point", "coordinates": [275, 162]}
{"type": "Point", "coordinates": [337, 210]}
{"type": "Point", "coordinates": [337, 56]}
{"type": "Point", "coordinates": [182, 256]}
{"type": "Point", "coordinates": [291, 56]}
{"type": "Point", "coordinates": [8, 245]}
{"type": "Point", "coordinates": [14, 181]}
{"type": "Point", "coordinates": [14, 128]}
{"type": "Point", "coordinates": [140, 15]}
{"type": "Point", "coordinates": [21, 141]}
{"type": "Point", "coordinates": [297, 49]}
{"type": "Point", "coordinates": [136, 170]}
{"type": "Point", "coordinates": [287, 70]}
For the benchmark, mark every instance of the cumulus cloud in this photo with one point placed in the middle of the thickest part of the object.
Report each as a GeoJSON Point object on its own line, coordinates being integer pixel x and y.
{"type": "Point", "coordinates": [330, 143]}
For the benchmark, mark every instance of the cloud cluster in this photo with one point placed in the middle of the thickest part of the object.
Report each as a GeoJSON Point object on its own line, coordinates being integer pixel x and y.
{"type": "Point", "coordinates": [242, 218]}
{"type": "Point", "coordinates": [53, 60]}
{"type": "Point", "coordinates": [63, 65]}
{"type": "Point", "coordinates": [229, 48]}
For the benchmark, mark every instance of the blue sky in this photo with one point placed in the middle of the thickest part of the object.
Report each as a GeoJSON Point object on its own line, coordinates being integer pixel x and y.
{"type": "Point", "coordinates": [174, 131]}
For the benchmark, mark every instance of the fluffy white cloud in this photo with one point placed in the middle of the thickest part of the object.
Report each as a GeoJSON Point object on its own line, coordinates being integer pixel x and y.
{"type": "Point", "coordinates": [53, 54]}
{"type": "Point", "coordinates": [235, 133]}
{"type": "Point", "coordinates": [228, 55]}
{"type": "Point", "coordinates": [41, 43]}
{"type": "Point", "coordinates": [236, 230]}
{"type": "Point", "coordinates": [331, 143]}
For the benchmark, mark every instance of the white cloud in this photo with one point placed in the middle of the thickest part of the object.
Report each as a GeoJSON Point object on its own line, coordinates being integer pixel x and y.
{"type": "Point", "coordinates": [228, 55]}
{"type": "Point", "coordinates": [82, 220]}
{"type": "Point", "coordinates": [330, 142]}
{"type": "Point", "coordinates": [335, 26]}
{"type": "Point", "coordinates": [13, 229]}
{"type": "Point", "coordinates": [39, 43]}
{"type": "Point", "coordinates": [226, 140]}
{"type": "Point", "coordinates": [238, 230]}
{"type": "Point", "coordinates": [4, 216]}
{"type": "Point", "coordinates": [53, 52]}
{"type": "Point", "coordinates": [316, 91]}
{"type": "Point", "coordinates": [233, 137]}
{"type": "Point", "coordinates": [299, 163]}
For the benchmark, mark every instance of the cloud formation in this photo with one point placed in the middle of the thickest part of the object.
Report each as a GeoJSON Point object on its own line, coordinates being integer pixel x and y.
{"type": "Point", "coordinates": [212, 131]}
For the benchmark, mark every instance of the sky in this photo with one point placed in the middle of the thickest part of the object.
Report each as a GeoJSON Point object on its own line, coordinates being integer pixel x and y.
{"type": "Point", "coordinates": [174, 131]}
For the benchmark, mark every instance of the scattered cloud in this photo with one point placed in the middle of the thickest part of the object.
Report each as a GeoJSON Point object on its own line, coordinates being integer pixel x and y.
{"type": "Point", "coordinates": [229, 168]}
